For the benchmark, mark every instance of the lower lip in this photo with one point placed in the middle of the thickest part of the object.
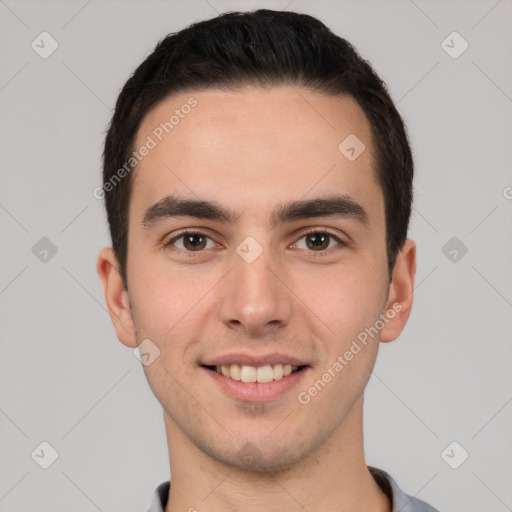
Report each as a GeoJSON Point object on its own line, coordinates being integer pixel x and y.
{"type": "Point", "coordinates": [255, 391]}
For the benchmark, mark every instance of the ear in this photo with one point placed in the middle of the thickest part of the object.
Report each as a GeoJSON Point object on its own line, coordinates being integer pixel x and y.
{"type": "Point", "coordinates": [116, 297]}
{"type": "Point", "coordinates": [399, 302]}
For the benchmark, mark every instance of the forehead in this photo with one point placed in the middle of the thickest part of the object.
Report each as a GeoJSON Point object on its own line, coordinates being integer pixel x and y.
{"type": "Point", "coordinates": [255, 147]}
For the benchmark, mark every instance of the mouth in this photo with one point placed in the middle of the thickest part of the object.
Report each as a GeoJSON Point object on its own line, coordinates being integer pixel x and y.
{"type": "Point", "coordinates": [261, 381]}
{"type": "Point", "coordinates": [260, 374]}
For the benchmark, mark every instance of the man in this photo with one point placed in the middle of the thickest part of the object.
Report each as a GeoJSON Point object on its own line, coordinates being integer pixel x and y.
{"type": "Point", "coordinates": [258, 186]}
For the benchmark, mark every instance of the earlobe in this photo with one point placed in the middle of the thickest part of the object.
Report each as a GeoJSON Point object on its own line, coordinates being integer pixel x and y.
{"type": "Point", "coordinates": [116, 297]}
{"type": "Point", "coordinates": [400, 297]}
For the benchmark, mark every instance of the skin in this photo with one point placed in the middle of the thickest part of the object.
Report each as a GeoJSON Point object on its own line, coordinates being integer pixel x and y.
{"type": "Point", "coordinates": [251, 151]}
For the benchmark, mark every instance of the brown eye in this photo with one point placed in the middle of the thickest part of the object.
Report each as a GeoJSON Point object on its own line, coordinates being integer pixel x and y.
{"type": "Point", "coordinates": [194, 241]}
{"type": "Point", "coordinates": [191, 242]}
{"type": "Point", "coordinates": [319, 241]}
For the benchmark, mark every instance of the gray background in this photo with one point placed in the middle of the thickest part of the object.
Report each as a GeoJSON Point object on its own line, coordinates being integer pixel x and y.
{"type": "Point", "coordinates": [67, 380]}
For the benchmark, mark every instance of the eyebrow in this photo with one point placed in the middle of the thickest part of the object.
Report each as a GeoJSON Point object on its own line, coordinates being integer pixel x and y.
{"type": "Point", "coordinates": [172, 206]}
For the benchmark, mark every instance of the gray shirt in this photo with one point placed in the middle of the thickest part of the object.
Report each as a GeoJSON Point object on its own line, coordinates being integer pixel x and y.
{"type": "Point", "coordinates": [401, 502]}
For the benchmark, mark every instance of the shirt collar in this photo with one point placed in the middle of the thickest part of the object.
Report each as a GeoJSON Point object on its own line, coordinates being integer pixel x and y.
{"type": "Point", "coordinates": [401, 502]}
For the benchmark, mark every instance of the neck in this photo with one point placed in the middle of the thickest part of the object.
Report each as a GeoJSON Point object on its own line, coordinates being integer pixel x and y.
{"type": "Point", "coordinates": [333, 477]}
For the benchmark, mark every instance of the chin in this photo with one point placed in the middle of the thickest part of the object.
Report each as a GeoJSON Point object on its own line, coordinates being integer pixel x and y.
{"type": "Point", "coordinates": [260, 456]}
{"type": "Point", "coordinates": [260, 462]}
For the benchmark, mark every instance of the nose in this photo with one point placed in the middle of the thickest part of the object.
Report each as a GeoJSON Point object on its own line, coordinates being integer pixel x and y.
{"type": "Point", "coordinates": [253, 298]}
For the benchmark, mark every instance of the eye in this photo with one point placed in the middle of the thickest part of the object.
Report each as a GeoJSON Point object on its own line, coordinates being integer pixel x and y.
{"type": "Point", "coordinates": [191, 241]}
{"type": "Point", "coordinates": [319, 240]}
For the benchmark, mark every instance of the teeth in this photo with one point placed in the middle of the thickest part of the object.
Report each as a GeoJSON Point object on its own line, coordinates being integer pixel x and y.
{"type": "Point", "coordinates": [261, 374]}
{"type": "Point", "coordinates": [265, 374]}
{"type": "Point", "coordinates": [278, 371]}
{"type": "Point", "coordinates": [248, 374]}
{"type": "Point", "coordinates": [236, 372]}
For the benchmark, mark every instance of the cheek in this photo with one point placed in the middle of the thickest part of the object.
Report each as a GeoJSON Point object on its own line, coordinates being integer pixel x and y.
{"type": "Point", "coordinates": [166, 310]}
{"type": "Point", "coordinates": [164, 297]}
{"type": "Point", "coordinates": [346, 300]}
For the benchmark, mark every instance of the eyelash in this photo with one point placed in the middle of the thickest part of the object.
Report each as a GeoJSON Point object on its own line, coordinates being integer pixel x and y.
{"type": "Point", "coordinates": [320, 253]}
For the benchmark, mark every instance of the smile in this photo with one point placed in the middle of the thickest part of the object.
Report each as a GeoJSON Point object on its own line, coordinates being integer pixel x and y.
{"type": "Point", "coordinates": [261, 374]}
{"type": "Point", "coordinates": [262, 383]}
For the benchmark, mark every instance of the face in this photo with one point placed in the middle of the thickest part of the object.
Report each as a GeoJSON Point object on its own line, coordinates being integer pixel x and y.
{"type": "Point", "coordinates": [279, 265]}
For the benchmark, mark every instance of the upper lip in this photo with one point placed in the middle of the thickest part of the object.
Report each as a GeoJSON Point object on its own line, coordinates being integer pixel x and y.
{"type": "Point", "coordinates": [253, 359]}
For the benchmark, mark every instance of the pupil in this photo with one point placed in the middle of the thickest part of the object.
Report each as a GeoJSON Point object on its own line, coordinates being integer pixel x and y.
{"type": "Point", "coordinates": [199, 241]}
{"type": "Point", "coordinates": [318, 240]}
